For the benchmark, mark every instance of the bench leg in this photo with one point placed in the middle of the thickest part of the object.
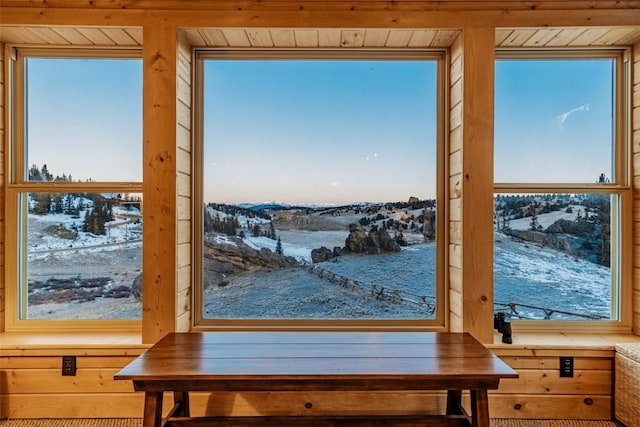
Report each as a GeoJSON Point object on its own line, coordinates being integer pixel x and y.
{"type": "Point", "coordinates": [152, 409]}
{"type": "Point", "coordinates": [480, 408]}
{"type": "Point", "coordinates": [181, 401]}
{"type": "Point", "coordinates": [454, 402]}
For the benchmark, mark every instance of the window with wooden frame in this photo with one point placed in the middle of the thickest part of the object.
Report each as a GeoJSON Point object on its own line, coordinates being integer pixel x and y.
{"type": "Point", "coordinates": [74, 189]}
{"type": "Point", "coordinates": [562, 188]}
{"type": "Point", "coordinates": [319, 177]}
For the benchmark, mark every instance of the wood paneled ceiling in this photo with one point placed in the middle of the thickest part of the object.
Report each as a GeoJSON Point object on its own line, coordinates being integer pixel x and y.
{"type": "Point", "coordinates": [322, 37]}
{"type": "Point", "coordinates": [72, 36]}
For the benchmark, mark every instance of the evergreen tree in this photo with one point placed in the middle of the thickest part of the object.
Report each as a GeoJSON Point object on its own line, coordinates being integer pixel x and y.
{"type": "Point", "coordinates": [533, 225]}
{"type": "Point", "coordinates": [279, 247]}
{"type": "Point", "coordinates": [45, 175]}
{"type": "Point", "coordinates": [57, 204]}
{"type": "Point", "coordinates": [34, 173]}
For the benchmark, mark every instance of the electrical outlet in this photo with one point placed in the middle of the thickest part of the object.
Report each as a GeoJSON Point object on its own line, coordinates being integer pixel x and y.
{"type": "Point", "coordinates": [566, 366]}
{"type": "Point", "coordinates": [69, 365]}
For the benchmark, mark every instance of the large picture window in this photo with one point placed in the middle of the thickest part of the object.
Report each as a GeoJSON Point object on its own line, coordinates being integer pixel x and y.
{"type": "Point", "coordinates": [319, 187]}
{"type": "Point", "coordinates": [561, 184]}
{"type": "Point", "coordinates": [75, 193]}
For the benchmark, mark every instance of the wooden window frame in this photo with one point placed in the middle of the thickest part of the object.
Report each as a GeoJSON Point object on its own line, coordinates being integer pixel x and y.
{"type": "Point", "coordinates": [622, 214]}
{"type": "Point", "coordinates": [17, 184]}
{"type": "Point", "coordinates": [439, 323]}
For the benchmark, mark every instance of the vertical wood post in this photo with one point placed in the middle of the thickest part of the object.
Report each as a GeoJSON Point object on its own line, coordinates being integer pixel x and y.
{"type": "Point", "coordinates": [476, 206]}
{"type": "Point", "coordinates": [159, 175]}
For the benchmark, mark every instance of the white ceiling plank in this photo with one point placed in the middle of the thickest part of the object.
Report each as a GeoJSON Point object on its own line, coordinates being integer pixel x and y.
{"type": "Point", "coordinates": [375, 37]}
{"type": "Point", "coordinates": [306, 38]}
{"type": "Point", "coordinates": [96, 36]}
{"type": "Point", "coordinates": [422, 38]}
{"type": "Point", "coordinates": [259, 37]}
{"type": "Point", "coordinates": [237, 37]}
{"type": "Point", "coordinates": [283, 37]}
{"type": "Point", "coordinates": [399, 38]}
{"type": "Point", "coordinates": [352, 38]}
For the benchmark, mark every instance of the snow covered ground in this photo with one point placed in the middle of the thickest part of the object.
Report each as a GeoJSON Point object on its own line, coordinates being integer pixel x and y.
{"type": "Point", "coordinates": [525, 274]}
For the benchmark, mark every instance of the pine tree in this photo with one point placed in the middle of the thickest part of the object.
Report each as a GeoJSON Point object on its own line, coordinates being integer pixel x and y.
{"type": "Point", "coordinates": [279, 247]}
{"type": "Point", "coordinates": [45, 175]}
{"type": "Point", "coordinates": [34, 173]}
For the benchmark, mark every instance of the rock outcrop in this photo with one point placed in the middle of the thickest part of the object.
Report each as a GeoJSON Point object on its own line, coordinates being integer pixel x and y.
{"type": "Point", "coordinates": [375, 242]}
{"type": "Point", "coordinates": [224, 259]}
{"type": "Point", "coordinates": [325, 254]}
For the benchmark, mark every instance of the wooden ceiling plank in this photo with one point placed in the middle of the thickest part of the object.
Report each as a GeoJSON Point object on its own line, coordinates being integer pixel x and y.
{"type": "Point", "coordinates": [237, 37]}
{"type": "Point", "coordinates": [72, 35]}
{"type": "Point", "coordinates": [518, 38]}
{"type": "Point", "coordinates": [329, 37]}
{"type": "Point", "coordinates": [96, 36]}
{"type": "Point", "coordinates": [399, 38]}
{"type": "Point", "coordinates": [47, 34]}
{"type": "Point", "coordinates": [566, 37]}
{"type": "Point", "coordinates": [214, 37]}
{"type": "Point", "coordinates": [541, 37]}
{"type": "Point", "coordinates": [445, 38]}
{"type": "Point", "coordinates": [631, 38]}
{"type": "Point", "coordinates": [589, 36]}
{"type": "Point", "coordinates": [502, 34]}
{"type": "Point", "coordinates": [306, 38]}
{"type": "Point", "coordinates": [614, 36]}
{"type": "Point", "coordinates": [375, 37]}
{"type": "Point", "coordinates": [259, 37]}
{"type": "Point", "coordinates": [422, 38]}
{"type": "Point", "coordinates": [193, 37]}
{"type": "Point", "coordinates": [18, 35]}
{"type": "Point", "coordinates": [135, 33]}
{"type": "Point", "coordinates": [119, 36]}
{"type": "Point", "coordinates": [283, 37]}
{"type": "Point", "coordinates": [352, 38]}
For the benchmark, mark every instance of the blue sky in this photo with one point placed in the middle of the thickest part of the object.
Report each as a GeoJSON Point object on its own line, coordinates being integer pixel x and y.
{"type": "Point", "coordinates": [553, 120]}
{"type": "Point", "coordinates": [332, 132]}
{"type": "Point", "coordinates": [322, 132]}
{"type": "Point", "coordinates": [85, 117]}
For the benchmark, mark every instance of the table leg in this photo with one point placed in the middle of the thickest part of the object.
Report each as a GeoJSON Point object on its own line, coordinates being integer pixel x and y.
{"type": "Point", "coordinates": [152, 409]}
{"type": "Point", "coordinates": [181, 398]}
{"type": "Point", "coordinates": [454, 402]}
{"type": "Point", "coordinates": [480, 408]}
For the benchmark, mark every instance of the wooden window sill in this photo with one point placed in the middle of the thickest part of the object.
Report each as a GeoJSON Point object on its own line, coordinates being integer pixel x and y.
{"type": "Point", "coordinates": [559, 340]}
{"type": "Point", "coordinates": [72, 340]}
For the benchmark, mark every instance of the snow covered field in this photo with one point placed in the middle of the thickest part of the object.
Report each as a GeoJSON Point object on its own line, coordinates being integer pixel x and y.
{"type": "Point", "coordinates": [524, 274]}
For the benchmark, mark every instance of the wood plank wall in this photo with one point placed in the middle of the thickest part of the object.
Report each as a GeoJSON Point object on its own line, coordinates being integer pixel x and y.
{"type": "Point", "coordinates": [32, 387]}
{"type": "Point", "coordinates": [636, 186]}
{"type": "Point", "coordinates": [184, 192]}
{"type": "Point", "coordinates": [540, 392]}
{"type": "Point", "coordinates": [2, 195]}
{"type": "Point", "coordinates": [455, 188]}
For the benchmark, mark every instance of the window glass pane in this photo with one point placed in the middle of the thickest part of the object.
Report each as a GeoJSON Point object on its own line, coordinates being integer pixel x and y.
{"type": "Point", "coordinates": [553, 255]}
{"type": "Point", "coordinates": [84, 119]}
{"type": "Point", "coordinates": [554, 120]}
{"type": "Point", "coordinates": [303, 155]}
{"type": "Point", "coordinates": [83, 254]}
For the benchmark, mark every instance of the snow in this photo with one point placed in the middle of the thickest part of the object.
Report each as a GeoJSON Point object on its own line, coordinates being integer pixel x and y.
{"type": "Point", "coordinates": [524, 274]}
{"type": "Point", "coordinates": [545, 220]}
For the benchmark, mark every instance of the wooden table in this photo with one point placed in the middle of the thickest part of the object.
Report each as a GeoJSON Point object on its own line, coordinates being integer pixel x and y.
{"type": "Point", "coordinates": [317, 361]}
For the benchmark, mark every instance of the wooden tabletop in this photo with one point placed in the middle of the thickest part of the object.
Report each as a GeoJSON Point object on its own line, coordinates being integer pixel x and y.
{"type": "Point", "coordinates": [316, 361]}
